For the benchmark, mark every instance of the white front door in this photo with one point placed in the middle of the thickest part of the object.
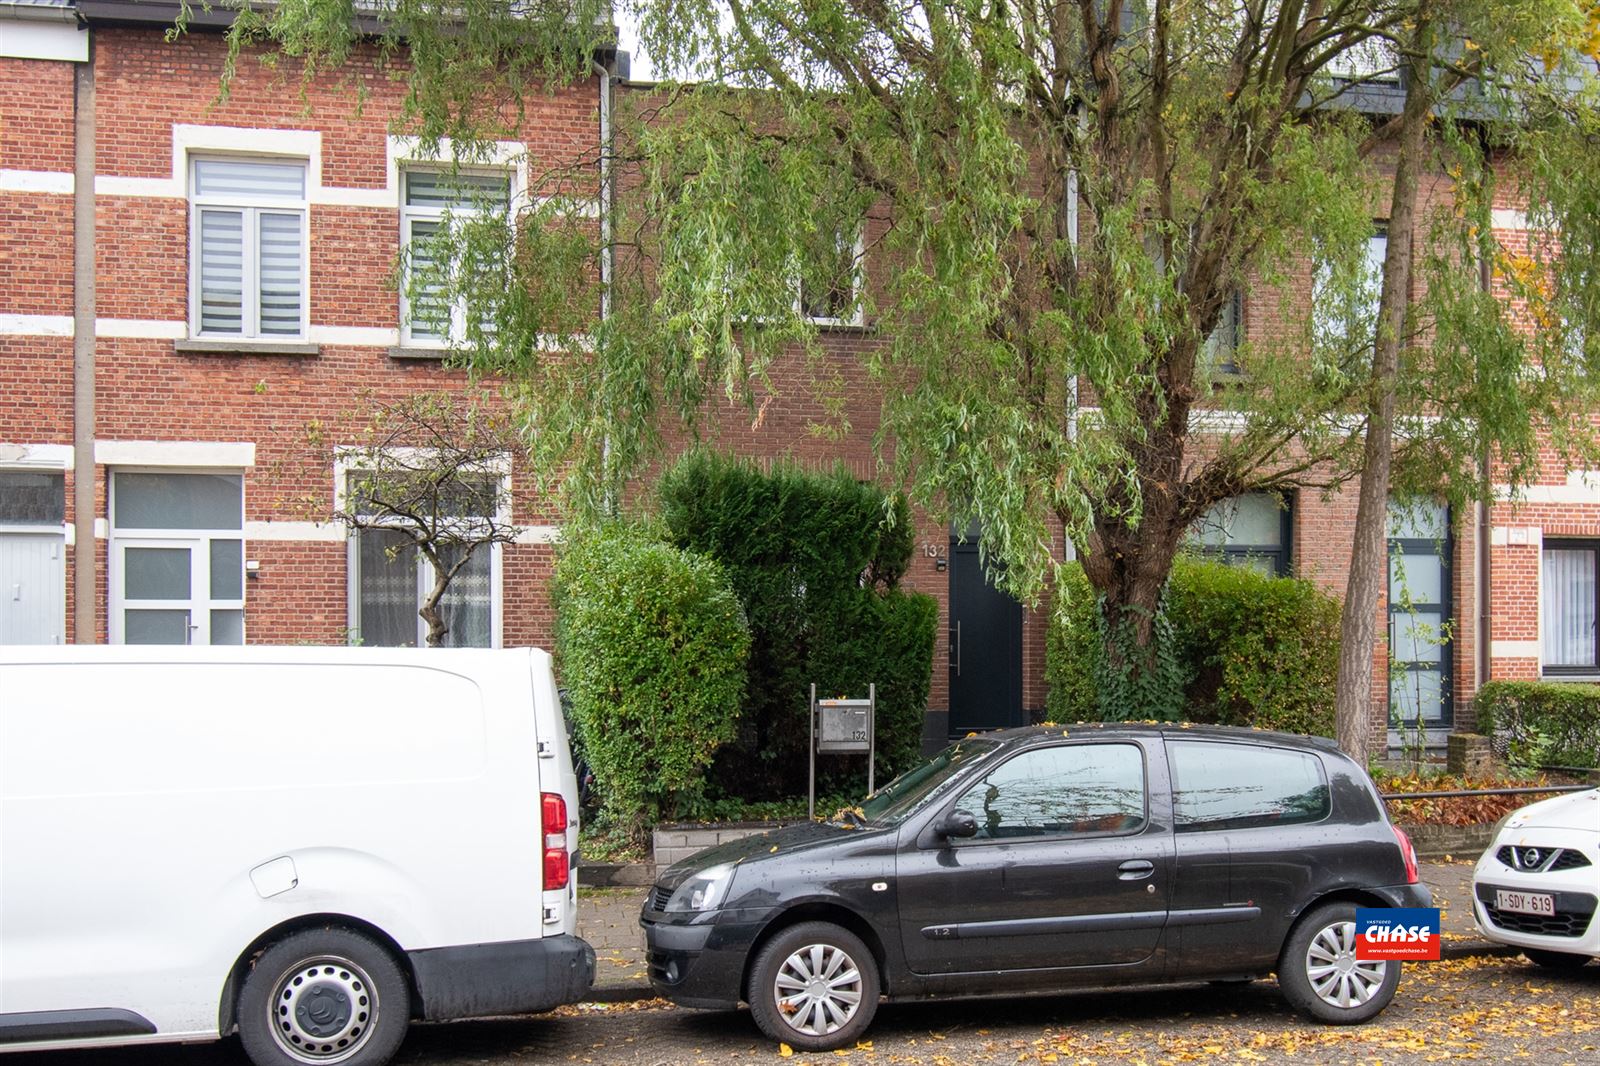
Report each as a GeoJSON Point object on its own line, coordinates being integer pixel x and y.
{"type": "Point", "coordinates": [33, 588]}
{"type": "Point", "coordinates": [177, 558]}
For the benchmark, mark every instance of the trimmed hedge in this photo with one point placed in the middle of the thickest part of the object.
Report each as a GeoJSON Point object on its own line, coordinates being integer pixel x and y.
{"type": "Point", "coordinates": [652, 644]}
{"type": "Point", "coordinates": [816, 560]}
{"type": "Point", "coordinates": [1252, 649]}
{"type": "Point", "coordinates": [1542, 723]}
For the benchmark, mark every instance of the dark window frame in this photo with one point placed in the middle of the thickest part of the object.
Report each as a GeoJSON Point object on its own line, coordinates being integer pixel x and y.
{"type": "Point", "coordinates": [1281, 554]}
{"type": "Point", "coordinates": [1444, 547]}
{"type": "Point", "coordinates": [1589, 544]}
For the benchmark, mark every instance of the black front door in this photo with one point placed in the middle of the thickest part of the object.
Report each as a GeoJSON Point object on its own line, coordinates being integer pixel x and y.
{"type": "Point", "coordinates": [1071, 868]}
{"type": "Point", "coordinates": [985, 647]}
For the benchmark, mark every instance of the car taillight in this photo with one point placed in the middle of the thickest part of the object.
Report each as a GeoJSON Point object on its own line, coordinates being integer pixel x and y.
{"type": "Point", "coordinates": [1407, 852]}
{"type": "Point", "coordinates": [554, 818]}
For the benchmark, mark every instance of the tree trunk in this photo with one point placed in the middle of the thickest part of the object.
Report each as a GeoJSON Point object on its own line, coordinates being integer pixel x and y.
{"type": "Point", "coordinates": [1368, 561]}
{"type": "Point", "coordinates": [437, 630]}
{"type": "Point", "coordinates": [1128, 569]}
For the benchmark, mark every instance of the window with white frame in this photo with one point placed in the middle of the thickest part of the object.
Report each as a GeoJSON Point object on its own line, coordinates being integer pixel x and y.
{"type": "Point", "coordinates": [390, 576]}
{"type": "Point", "coordinates": [1220, 351]}
{"type": "Point", "coordinates": [431, 198]}
{"type": "Point", "coordinates": [248, 248]}
{"type": "Point", "coordinates": [1348, 319]}
{"type": "Point", "coordinates": [1569, 603]}
{"type": "Point", "coordinates": [829, 288]}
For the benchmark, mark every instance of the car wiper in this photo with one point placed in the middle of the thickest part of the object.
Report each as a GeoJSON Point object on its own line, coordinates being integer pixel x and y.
{"type": "Point", "coordinates": [851, 817]}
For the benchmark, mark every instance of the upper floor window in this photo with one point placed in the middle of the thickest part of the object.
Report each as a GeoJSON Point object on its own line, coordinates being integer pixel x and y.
{"type": "Point", "coordinates": [1345, 313]}
{"type": "Point", "coordinates": [1250, 530]}
{"type": "Point", "coordinates": [248, 261]}
{"type": "Point", "coordinates": [830, 285]}
{"type": "Point", "coordinates": [430, 315]}
{"type": "Point", "coordinates": [1220, 350]}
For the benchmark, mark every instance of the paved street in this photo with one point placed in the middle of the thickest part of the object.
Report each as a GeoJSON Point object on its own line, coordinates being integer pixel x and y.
{"type": "Point", "coordinates": [1494, 1009]}
{"type": "Point", "coordinates": [1482, 1005]}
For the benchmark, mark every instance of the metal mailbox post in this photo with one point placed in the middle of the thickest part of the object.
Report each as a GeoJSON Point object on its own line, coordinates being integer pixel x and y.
{"type": "Point", "coordinates": [842, 727]}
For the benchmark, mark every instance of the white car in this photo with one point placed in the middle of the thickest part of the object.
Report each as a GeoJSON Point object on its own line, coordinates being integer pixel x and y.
{"type": "Point", "coordinates": [1536, 886]}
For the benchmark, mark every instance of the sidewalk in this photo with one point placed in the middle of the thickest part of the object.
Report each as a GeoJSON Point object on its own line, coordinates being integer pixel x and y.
{"type": "Point", "coordinates": [608, 918]}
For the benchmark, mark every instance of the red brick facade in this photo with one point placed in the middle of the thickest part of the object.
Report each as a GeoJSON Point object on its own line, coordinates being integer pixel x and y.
{"type": "Point", "coordinates": [157, 105]}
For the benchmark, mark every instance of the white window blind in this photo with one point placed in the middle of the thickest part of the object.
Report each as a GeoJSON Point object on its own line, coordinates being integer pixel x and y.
{"type": "Point", "coordinates": [250, 248]}
{"type": "Point", "coordinates": [432, 198]}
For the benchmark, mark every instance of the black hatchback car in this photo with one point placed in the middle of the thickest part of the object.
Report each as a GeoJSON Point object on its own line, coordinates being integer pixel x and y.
{"type": "Point", "coordinates": [1044, 859]}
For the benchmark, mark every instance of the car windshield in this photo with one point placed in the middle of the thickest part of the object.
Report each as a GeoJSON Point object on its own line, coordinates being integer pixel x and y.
{"type": "Point", "coordinates": [894, 801]}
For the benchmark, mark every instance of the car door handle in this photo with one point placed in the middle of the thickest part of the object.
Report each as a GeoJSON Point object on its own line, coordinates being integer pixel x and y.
{"type": "Point", "coordinates": [1135, 870]}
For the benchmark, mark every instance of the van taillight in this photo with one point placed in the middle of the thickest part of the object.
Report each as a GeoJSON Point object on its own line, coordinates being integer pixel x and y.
{"type": "Point", "coordinates": [554, 817]}
{"type": "Point", "coordinates": [1407, 852]}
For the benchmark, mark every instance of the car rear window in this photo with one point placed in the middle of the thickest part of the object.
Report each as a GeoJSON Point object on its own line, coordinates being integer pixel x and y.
{"type": "Point", "coordinates": [1240, 786]}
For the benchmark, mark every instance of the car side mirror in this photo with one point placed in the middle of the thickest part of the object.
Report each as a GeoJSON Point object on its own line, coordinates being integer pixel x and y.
{"type": "Point", "coordinates": [958, 823]}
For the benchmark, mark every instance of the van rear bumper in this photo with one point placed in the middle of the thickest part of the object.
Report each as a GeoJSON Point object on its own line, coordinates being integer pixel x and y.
{"type": "Point", "coordinates": [514, 977]}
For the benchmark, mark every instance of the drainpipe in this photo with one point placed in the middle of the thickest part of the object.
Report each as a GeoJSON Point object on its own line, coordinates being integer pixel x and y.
{"type": "Point", "coordinates": [84, 549]}
{"type": "Point", "coordinates": [1485, 527]}
{"type": "Point", "coordinates": [617, 63]}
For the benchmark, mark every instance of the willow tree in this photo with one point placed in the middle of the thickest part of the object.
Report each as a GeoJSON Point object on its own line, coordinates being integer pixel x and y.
{"type": "Point", "coordinates": [1053, 206]}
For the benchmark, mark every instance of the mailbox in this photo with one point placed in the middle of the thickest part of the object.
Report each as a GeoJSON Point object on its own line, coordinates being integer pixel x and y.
{"type": "Point", "coordinates": [843, 727]}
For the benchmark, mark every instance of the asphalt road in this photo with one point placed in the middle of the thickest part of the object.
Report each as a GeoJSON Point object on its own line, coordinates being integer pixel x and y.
{"type": "Point", "coordinates": [1484, 1009]}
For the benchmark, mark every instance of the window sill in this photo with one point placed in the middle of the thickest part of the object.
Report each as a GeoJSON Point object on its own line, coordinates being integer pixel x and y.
{"type": "Point", "coordinates": [416, 352]}
{"type": "Point", "coordinates": [213, 346]}
{"type": "Point", "coordinates": [834, 325]}
{"type": "Point", "coordinates": [1577, 677]}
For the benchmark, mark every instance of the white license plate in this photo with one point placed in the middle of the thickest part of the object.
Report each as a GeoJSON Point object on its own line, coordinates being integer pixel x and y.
{"type": "Point", "coordinates": [1524, 902]}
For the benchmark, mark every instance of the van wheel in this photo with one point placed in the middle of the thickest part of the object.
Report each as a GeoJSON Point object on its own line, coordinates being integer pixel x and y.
{"type": "Point", "coordinates": [1321, 977]}
{"type": "Point", "coordinates": [814, 986]}
{"type": "Point", "coordinates": [324, 996]}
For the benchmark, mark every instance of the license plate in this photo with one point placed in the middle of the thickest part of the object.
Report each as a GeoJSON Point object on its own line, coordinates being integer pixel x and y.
{"type": "Point", "coordinates": [1524, 902]}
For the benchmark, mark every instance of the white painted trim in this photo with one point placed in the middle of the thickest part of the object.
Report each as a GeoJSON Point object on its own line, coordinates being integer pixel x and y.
{"type": "Point", "coordinates": [1582, 486]}
{"type": "Point", "coordinates": [1514, 649]}
{"type": "Point", "coordinates": [298, 532]}
{"type": "Point", "coordinates": [1516, 537]}
{"type": "Point", "coordinates": [307, 145]}
{"type": "Point", "coordinates": [140, 328]}
{"type": "Point", "coordinates": [159, 329]}
{"type": "Point", "coordinates": [359, 336]}
{"type": "Point", "coordinates": [1508, 218]}
{"type": "Point", "coordinates": [35, 325]}
{"type": "Point", "coordinates": [539, 535]}
{"type": "Point", "coordinates": [36, 456]}
{"type": "Point", "coordinates": [102, 529]}
{"type": "Point", "coordinates": [233, 455]}
{"type": "Point", "coordinates": [61, 41]}
{"type": "Point", "coordinates": [45, 181]}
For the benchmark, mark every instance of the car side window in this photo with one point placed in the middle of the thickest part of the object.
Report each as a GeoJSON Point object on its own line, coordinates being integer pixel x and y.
{"type": "Point", "coordinates": [1238, 786]}
{"type": "Point", "coordinates": [1068, 790]}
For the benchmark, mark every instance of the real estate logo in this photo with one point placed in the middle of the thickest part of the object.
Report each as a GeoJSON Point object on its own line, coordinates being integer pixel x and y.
{"type": "Point", "coordinates": [1397, 933]}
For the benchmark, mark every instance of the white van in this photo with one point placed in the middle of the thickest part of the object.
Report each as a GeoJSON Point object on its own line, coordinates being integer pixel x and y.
{"type": "Point", "coordinates": [309, 845]}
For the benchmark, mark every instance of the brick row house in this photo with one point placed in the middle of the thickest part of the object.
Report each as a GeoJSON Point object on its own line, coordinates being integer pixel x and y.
{"type": "Point", "coordinates": [185, 279]}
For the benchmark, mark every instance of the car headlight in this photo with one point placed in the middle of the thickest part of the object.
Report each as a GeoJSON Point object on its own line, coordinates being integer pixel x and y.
{"type": "Point", "coordinates": [704, 891]}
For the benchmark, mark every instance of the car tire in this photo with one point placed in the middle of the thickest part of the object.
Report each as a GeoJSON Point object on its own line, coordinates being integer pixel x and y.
{"type": "Point", "coordinates": [322, 997]}
{"type": "Point", "coordinates": [1556, 960]}
{"type": "Point", "coordinates": [814, 986]}
{"type": "Point", "coordinates": [1319, 974]}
